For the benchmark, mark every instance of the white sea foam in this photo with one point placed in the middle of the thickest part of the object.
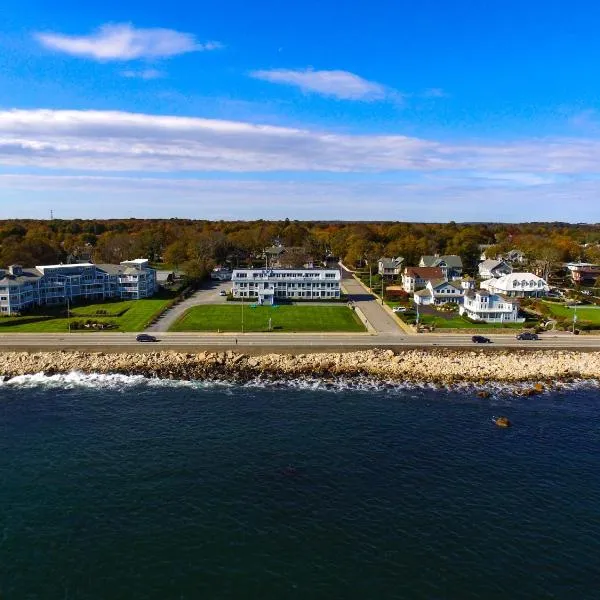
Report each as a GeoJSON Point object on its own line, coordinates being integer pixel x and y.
{"type": "Point", "coordinates": [119, 383]}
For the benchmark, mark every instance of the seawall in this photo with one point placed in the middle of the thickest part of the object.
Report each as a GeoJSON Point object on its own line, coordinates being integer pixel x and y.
{"type": "Point", "coordinates": [438, 366]}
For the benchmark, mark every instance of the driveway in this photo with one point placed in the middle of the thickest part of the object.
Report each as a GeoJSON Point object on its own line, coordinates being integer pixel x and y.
{"type": "Point", "coordinates": [208, 294]}
{"type": "Point", "coordinates": [381, 321]}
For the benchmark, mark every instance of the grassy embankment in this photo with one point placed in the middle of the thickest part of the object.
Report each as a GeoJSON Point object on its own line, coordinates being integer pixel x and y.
{"type": "Point", "coordinates": [128, 315]}
{"type": "Point", "coordinates": [588, 315]}
{"type": "Point", "coordinates": [286, 318]}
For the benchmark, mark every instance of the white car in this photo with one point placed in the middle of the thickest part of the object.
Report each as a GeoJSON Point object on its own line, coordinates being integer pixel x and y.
{"type": "Point", "coordinates": [399, 309]}
{"type": "Point", "coordinates": [222, 293]}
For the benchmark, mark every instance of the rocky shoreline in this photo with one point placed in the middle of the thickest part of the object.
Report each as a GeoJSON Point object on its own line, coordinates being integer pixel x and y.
{"type": "Point", "coordinates": [439, 366]}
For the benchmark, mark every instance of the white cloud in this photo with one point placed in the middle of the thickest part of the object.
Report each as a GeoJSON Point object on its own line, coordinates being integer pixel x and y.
{"type": "Point", "coordinates": [434, 93]}
{"type": "Point", "coordinates": [339, 84]}
{"type": "Point", "coordinates": [119, 141]}
{"type": "Point", "coordinates": [143, 74]}
{"type": "Point", "coordinates": [122, 42]}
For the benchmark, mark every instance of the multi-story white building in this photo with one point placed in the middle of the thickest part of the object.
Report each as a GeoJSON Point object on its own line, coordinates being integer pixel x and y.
{"type": "Point", "coordinates": [266, 285]}
{"type": "Point", "coordinates": [517, 284]}
{"type": "Point", "coordinates": [491, 308]}
{"type": "Point", "coordinates": [22, 288]}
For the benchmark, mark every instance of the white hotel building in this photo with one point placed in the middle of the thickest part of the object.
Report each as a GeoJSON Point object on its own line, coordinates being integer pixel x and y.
{"type": "Point", "coordinates": [266, 285]}
{"type": "Point", "coordinates": [22, 288]}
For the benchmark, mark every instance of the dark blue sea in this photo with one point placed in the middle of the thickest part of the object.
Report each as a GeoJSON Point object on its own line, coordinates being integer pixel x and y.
{"type": "Point", "coordinates": [123, 488]}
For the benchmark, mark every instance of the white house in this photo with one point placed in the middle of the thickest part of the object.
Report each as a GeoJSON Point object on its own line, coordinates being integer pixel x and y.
{"type": "Point", "coordinates": [491, 308]}
{"type": "Point", "coordinates": [440, 292]}
{"type": "Point", "coordinates": [493, 268]}
{"type": "Point", "coordinates": [390, 267]}
{"type": "Point", "coordinates": [415, 278]}
{"type": "Point", "coordinates": [21, 288]}
{"type": "Point", "coordinates": [521, 285]}
{"type": "Point", "coordinates": [265, 285]}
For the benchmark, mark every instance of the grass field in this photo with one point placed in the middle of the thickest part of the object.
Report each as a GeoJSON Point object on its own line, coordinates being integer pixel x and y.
{"type": "Point", "coordinates": [129, 315]}
{"type": "Point", "coordinates": [287, 318]}
{"type": "Point", "coordinates": [590, 314]}
{"type": "Point", "coordinates": [457, 322]}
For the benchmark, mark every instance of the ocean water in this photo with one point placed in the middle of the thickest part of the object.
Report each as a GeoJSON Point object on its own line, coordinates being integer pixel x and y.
{"type": "Point", "coordinates": [120, 487]}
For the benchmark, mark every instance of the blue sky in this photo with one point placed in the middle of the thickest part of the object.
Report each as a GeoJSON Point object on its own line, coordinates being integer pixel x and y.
{"type": "Point", "coordinates": [398, 110]}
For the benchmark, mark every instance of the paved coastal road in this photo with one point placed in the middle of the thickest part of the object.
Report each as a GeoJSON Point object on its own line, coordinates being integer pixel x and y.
{"type": "Point", "coordinates": [279, 342]}
{"type": "Point", "coordinates": [377, 316]}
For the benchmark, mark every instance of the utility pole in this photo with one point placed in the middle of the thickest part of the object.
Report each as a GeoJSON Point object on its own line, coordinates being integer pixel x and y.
{"type": "Point", "coordinates": [68, 315]}
{"type": "Point", "coordinates": [242, 313]}
{"type": "Point", "coordinates": [574, 318]}
{"type": "Point", "coordinates": [382, 289]}
{"type": "Point", "coordinates": [370, 276]}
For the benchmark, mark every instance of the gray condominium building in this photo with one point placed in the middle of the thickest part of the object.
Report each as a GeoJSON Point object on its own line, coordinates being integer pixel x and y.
{"type": "Point", "coordinates": [23, 288]}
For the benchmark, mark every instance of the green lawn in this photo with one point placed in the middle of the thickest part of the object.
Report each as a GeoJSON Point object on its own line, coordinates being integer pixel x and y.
{"type": "Point", "coordinates": [286, 318]}
{"type": "Point", "coordinates": [129, 315]}
{"type": "Point", "coordinates": [457, 322]}
{"type": "Point", "coordinates": [584, 313]}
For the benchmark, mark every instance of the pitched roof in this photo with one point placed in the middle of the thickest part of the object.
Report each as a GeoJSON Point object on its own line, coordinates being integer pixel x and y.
{"type": "Point", "coordinates": [424, 272]}
{"type": "Point", "coordinates": [489, 264]}
{"type": "Point", "coordinates": [423, 293]}
{"type": "Point", "coordinates": [391, 263]}
{"type": "Point", "coordinates": [451, 260]}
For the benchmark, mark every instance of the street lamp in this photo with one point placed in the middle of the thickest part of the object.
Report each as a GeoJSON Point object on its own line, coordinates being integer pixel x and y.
{"type": "Point", "coordinates": [574, 318]}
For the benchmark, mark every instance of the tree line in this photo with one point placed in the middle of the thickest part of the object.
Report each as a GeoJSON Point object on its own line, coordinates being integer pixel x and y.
{"type": "Point", "coordinates": [196, 246]}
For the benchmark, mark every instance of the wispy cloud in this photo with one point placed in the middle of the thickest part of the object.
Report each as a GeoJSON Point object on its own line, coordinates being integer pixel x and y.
{"type": "Point", "coordinates": [123, 42]}
{"type": "Point", "coordinates": [434, 93]}
{"type": "Point", "coordinates": [432, 199]}
{"type": "Point", "coordinates": [121, 141]}
{"type": "Point", "coordinates": [143, 74]}
{"type": "Point", "coordinates": [338, 84]}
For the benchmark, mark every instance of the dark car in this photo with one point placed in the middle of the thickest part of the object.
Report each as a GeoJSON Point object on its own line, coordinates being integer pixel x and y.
{"type": "Point", "coordinates": [481, 339]}
{"type": "Point", "coordinates": [144, 337]}
{"type": "Point", "coordinates": [526, 335]}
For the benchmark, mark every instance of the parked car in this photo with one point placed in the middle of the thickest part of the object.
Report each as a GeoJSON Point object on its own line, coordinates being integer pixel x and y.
{"type": "Point", "coordinates": [222, 293]}
{"type": "Point", "coordinates": [144, 337]}
{"type": "Point", "coordinates": [399, 309]}
{"type": "Point", "coordinates": [481, 339]}
{"type": "Point", "coordinates": [526, 335]}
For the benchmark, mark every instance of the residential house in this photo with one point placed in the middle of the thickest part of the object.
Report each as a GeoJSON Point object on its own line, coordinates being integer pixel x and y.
{"type": "Point", "coordinates": [467, 283]}
{"type": "Point", "coordinates": [514, 257]}
{"type": "Point", "coordinates": [415, 278]}
{"type": "Point", "coordinates": [273, 254]}
{"type": "Point", "coordinates": [521, 285]}
{"type": "Point", "coordinates": [493, 268]}
{"type": "Point", "coordinates": [584, 273]}
{"type": "Point", "coordinates": [390, 267]}
{"type": "Point", "coordinates": [221, 274]}
{"type": "Point", "coordinates": [450, 264]}
{"type": "Point", "coordinates": [438, 292]}
{"type": "Point", "coordinates": [482, 305]}
{"type": "Point", "coordinates": [266, 285]}
{"type": "Point", "coordinates": [23, 288]}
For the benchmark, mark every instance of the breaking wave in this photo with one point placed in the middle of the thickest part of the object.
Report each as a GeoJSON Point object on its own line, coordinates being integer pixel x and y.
{"type": "Point", "coordinates": [122, 383]}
